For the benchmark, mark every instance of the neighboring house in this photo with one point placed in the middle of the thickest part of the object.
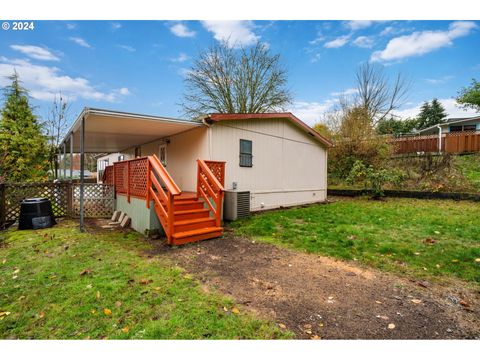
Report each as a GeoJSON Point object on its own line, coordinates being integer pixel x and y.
{"type": "Point", "coordinates": [276, 157]}
{"type": "Point", "coordinates": [105, 160]}
{"type": "Point", "coordinates": [453, 125]}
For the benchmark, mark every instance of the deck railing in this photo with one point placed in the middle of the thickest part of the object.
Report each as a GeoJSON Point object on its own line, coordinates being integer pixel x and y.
{"type": "Point", "coordinates": [162, 190]}
{"type": "Point", "coordinates": [210, 189]}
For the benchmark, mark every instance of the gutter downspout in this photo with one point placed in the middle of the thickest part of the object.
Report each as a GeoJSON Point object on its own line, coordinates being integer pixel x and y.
{"type": "Point", "coordinates": [439, 139]}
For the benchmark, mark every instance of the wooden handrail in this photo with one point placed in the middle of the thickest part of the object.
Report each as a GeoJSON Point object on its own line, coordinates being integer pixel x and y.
{"type": "Point", "coordinates": [158, 168]}
{"type": "Point", "coordinates": [210, 175]}
{"type": "Point", "coordinates": [209, 187]}
{"type": "Point", "coordinates": [162, 198]}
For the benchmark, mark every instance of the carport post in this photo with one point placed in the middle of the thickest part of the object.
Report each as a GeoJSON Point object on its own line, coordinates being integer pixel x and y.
{"type": "Point", "coordinates": [82, 169]}
{"type": "Point", "coordinates": [71, 156]}
{"type": "Point", "coordinates": [64, 161]}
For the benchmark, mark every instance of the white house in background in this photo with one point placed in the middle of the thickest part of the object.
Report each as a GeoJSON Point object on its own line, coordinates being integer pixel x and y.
{"type": "Point", "coordinates": [106, 160]}
{"type": "Point", "coordinates": [279, 159]}
{"type": "Point", "coordinates": [453, 125]}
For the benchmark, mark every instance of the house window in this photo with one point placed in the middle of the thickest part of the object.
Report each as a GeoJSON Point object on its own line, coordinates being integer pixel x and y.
{"type": "Point", "coordinates": [456, 128]}
{"type": "Point", "coordinates": [162, 154]}
{"type": "Point", "coordinates": [121, 157]}
{"type": "Point", "coordinates": [246, 153]}
{"type": "Point", "coordinates": [469, 127]}
{"type": "Point", "coordinates": [105, 164]}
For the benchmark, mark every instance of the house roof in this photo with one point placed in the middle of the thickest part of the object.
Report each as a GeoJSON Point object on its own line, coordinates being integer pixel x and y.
{"type": "Point", "coordinates": [108, 131]}
{"type": "Point", "coordinates": [212, 118]}
{"type": "Point", "coordinates": [449, 122]}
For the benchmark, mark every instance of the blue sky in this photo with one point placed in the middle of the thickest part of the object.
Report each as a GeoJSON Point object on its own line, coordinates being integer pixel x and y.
{"type": "Point", "coordinates": [139, 66]}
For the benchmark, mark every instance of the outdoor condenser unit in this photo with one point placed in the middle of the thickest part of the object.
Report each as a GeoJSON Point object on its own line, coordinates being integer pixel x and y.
{"type": "Point", "coordinates": [236, 205]}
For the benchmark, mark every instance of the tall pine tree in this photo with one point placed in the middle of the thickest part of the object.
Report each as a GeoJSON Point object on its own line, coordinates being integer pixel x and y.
{"type": "Point", "coordinates": [23, 147]}
{"type": "Point", "coordinates": [431, 114]}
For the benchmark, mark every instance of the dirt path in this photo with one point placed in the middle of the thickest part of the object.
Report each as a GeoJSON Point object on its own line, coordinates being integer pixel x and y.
{"type": "Point", "coordinates": [316, 296]}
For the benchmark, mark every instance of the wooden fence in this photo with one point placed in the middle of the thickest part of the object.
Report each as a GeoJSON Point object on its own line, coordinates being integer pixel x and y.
{"type": "Point", "coordinates": [64, 196]}
{"type": "Point", "coordinates": [456, 142]}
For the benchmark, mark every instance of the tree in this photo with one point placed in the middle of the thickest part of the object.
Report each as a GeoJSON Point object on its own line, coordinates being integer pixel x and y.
{"type": "Point", "coordinates": [377, 93]}
{"type": "Point", "coordinates": [226, 80]}
{"type": "Point", "coordinates": [56, 128]}
{"type": "Point", "coordinates": [323, 129]}
{"type": "Point", "coordinates": [469, 97]}
{"type": "Point", "coordinates": [431, 114]}
{"type": "Point", "coordinates": [356, 139]}
{"type": "Point", "coordinates": [396, 126]}
{"type": "Point", "coordinates": [23, 147]}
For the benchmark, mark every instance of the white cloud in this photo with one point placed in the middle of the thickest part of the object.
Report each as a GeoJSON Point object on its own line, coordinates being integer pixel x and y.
{"type": "Point", "coordinates": [391, 30]}
{"type": "Point", "coordinates": [422, 42]}
{"type": "Point", "coordinates": [35, 52]}
{"type": "Point", "coordinates": [115, 26]}
{"type": "Point", "coordinates": [440, 80]}
{"type": "Point", "coordinates": [311, 112]}
{"type": "Point", "coordinates": [124, 91]}
{"type": "Point", "coordinates": [80, 42]}
{"type": "Point", "coordinates": [358, 24]}
{"type": "Point", "coordinates": [347, 92]}
{"type": "Point", "coordinates": [127, 48]}
{"type": "Point", "coordinates": [450, 105]}
{"type": "Point", "coordinates": [338, 42]}
{"type": "Point", "coordinates": [181, 30]}
{"type": "Point", "coordinates": [71, 26]}
{"type": "Point", "coordinates": [182, 57]}
{"type": "Point", "coordinates": [364, 42]}
{"type": "Point", "coordinates": [315, 58]}
{"type": "Point", "coordinates": [44, 82]}
{"type": "Point", "coordinates": [236, 33]}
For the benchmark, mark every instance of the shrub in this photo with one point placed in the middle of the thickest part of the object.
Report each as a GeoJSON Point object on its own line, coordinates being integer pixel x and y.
{"type": "Point", "coordinates": [374, 179]}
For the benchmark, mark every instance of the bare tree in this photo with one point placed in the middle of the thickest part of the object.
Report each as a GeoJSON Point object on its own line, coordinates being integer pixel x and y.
{"type": "Point", "coordinates": [56, 127]}
{"type": "Point", "coordinates": [377, 93]}
{"type": "Point", "coordinates": [227, 80]}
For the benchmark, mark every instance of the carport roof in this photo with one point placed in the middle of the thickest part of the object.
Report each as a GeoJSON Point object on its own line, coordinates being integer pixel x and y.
{"type": "Point", "coordinates": [108, 131]}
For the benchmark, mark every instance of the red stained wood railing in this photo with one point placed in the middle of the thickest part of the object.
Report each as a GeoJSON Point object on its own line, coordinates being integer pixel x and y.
{"type": "Point", "coordinates": [211, 189]}
{"type": "Point", "coordinates": [162, 190]}
{"type": "Point", "coordinates": [107, 177]}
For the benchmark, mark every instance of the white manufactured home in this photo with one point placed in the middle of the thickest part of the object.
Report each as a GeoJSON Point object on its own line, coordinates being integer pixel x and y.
{"type": "Point", "coordinates": [274, 158]}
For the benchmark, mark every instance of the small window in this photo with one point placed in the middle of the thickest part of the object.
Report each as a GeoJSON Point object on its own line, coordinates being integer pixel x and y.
{"type": "Point", "coordinates": [246, 153]}
{"type": "Point", "coordinates": [469, 127]}
{"type": "Point", "coordinates": [121, 157]}
{"type": "Point", "coordinates": [456, 128]}
{"type": "Point", "coordinates": [105, 163]}
{"type": "Point", "coordinates": [138, 152]}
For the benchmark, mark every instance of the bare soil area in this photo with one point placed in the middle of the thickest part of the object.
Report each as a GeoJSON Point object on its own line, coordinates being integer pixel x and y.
{"type": "Point", "coordinates": [317, 297]}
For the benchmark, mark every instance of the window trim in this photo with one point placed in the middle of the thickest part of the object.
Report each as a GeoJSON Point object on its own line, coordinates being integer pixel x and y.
{"type": "Point", "coordinates": [246, 158]}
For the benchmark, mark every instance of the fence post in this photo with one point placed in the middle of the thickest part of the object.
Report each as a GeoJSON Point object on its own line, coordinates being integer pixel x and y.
{"type": "Point", "coordinates": [3, 210]}
{"type": "Point", "coordinates": [69, 189]}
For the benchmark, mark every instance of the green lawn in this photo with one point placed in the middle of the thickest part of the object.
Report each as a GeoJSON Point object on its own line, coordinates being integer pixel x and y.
{"type": "Point", "coordinates": [420, 238]}
{"type": "Point", "coordinates": [62, 284]}
{"type": "Point", "coordinates": [469, 166]}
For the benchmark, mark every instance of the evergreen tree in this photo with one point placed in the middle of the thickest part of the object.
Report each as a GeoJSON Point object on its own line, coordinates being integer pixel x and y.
{"type": "Point", "coordinates": [431, 114]}
{"type": "Point", "coordinates": [396, 126]}
{"type": "Point", "coordinates": [23, 147]}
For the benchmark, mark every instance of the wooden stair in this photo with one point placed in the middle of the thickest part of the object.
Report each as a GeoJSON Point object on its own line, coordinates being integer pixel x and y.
{"type": "Point", "coordinates": [185, 217]}
{"type": "Point", "coordinates": [192, 221]}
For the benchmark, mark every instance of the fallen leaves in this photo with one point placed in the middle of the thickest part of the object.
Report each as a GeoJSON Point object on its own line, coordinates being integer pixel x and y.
{"type": "Point", "coordinates": [282, 326]}
{"type": "Point", "coordinates": [391, 326]}
{"type": "Point", "coordinates": [125, 329]}
{"type": "Point", "coordinates": [107, 312]}
{"type": "Point", "coordinates": [455, 261]}
{"type": "Point", "coordinates": [4, 314]}
{"type": "Point", "coordinates": [430, 241]}
{"type": "Point", "coordinates": [477, 260]}
{"type": "Point", "coordinates": [5, 260]}
{"type": "Point", "coordinates": [118, 304]}
{"type": "Point", "coordinates": [41, 315]}
{"type": "Point", "coordinates": [85, 272]}
{"type": "Point", "coordinates": [416, 301]}
{"type": "Point", "coordinates": [315, 337]}
{"type": "Point", "coordinates": [464, 303]}
{"type": "Point", "coordinates": [383, 317]}
{"type": "Point", "coordinates": [145, 281]}
{"type": "Point", "coordinates": [235, 310]}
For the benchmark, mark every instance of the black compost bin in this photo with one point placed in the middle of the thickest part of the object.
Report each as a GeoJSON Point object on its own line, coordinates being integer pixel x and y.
{"type": "Point", "coordinates": [36, 213]}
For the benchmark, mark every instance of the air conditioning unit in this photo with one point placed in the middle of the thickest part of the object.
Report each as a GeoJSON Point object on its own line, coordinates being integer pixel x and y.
{"type": "Point", "coordinates": [236, 205]}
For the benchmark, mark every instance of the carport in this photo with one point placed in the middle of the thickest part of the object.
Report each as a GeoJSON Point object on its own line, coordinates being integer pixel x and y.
{"type": "Point", "coordinates": [107, 131]}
